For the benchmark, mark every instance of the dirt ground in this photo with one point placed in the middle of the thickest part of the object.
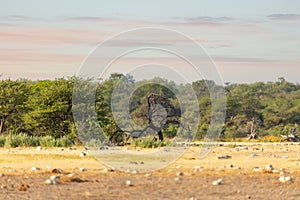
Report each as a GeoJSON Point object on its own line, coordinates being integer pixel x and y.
{"type": "Point", "coordinates": [188, 178]}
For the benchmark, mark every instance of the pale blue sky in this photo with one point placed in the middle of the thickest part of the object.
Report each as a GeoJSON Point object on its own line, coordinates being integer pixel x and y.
{"type": "Point", "coordinates": [154, 9]}
{"type": "Point", "coordinates": [248, 40]}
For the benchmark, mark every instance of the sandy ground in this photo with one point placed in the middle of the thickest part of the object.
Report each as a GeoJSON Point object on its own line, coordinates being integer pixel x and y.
{"type": "Point", "coordinates": [239, 181]}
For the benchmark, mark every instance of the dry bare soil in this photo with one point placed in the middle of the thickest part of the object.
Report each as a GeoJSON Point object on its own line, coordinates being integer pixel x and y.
{"type": "Point", "coordinates": [239, 181]}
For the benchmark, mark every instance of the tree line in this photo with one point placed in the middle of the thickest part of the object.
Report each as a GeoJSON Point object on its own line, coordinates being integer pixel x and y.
{"type": "Point", "coordinates": [44, 107]}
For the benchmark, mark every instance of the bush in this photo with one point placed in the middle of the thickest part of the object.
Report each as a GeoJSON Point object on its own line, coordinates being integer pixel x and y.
{"type": "Point", "coordinates": [270, 138]}
{"type": "Point", "coordinates": [20, 140]}
{"type": "Point", "coordinates": [23, 140]}
{"type": "Point", "coordinates": [63, 142]}
{"type": "Point", "coordinates": [47, 141]}
{"type": "Point", "coordinates": [2, 141]}
{"type": "Point", "coordinates": [150, 143]}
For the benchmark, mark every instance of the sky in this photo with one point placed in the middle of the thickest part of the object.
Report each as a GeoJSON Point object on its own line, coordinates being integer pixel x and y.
{"type": "Point", "coordinates": [248, 41]}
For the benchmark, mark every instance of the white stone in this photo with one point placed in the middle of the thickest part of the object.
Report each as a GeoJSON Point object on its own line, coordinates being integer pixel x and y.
{"type": "Point", "coordinates": [269, 167]}
{"type": "Point", "coordinates": [72, 175]}
{"type": "Point", "coordinates": [284, 157]}
{"type": "Point", "coordinates": [82, 169]}
{"type": "Point", "coordinates": [282, 173]}
{"type": "Point", "coordinates": [217, 182]}
{"type": "Point", "coordinates": [128, 182]}
{"type": "Point", "coordinates": [198, 167]}
{"type": "Point", "coordinates": [179, 174]}
{"type": "Point", "coordinates": [53, 177]}
{"type": "Point", "coordinates": [82, 154]}
{"type": "Point", "coordinates": [39, 148]}
{"type": "Point", "coordinates": [253, 155]}
{"type": "Point", "coordinates": [48, 181]}
{"type": "Point", "coordinates": [285, 179]}
{"type": "Point", "coordinates": [176, 179]}
{"type": "Point", "coordinates": [256, 169]}
{"type": "Point", "coordinates": [35, 169]}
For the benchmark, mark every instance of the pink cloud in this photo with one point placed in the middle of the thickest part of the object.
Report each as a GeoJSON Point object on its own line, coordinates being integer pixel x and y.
{"type": "Point", "coordinates": [48, 36]}
{"type": "Point", "coordinates": [284, 17]}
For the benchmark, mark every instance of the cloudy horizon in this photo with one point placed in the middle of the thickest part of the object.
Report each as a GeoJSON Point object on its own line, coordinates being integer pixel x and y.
{"type": "Point", "coordinates": [248, 41]}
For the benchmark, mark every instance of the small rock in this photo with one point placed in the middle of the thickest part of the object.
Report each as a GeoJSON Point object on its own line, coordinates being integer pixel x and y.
{"type": "Point", "coordinates": [285, 179]}
{"type": "Point", "coordinates": [178, 167]}
{"type": "Point", "coordinates": [35, 169]}
{"type": "Point", "coordinates": [106, 170]}
{"type": "Point", "coordinates": [12, 170]}
{"type": "Point", "coordinates": [176, 179]}
{"type": "Point", "coordinates": [196, 170]}
{"type": "Point", "coordinates": [1, 175]}
{"type": "Point", "coordinates": [282, 173]}
{"type": "Point", "coordinates": [179, 174]}
{"type": "Point", "coordinates": [50, 182]}
{"type": "Point", "coordinates": [57, 170]}
{"type": "Point", "coordinates": [82, 154]}
{"type": "Point", "coordinates": [85, 148]}
{"type": "Point", "coordinates": [147, 175]}
{"type": "Point", "coordinates": [38, 148]}
{"type": "Point", "coordinates": [224, 157]}
{"type": "Point", "coordinates": [253, 155]}
{"type": "Point", "coordinates": [230, 166]}
{"type": "Point", "coordinates": [82, 169]}
{"type": "Point", "coordinates": [53, 177]}
{"type": "Point", "coordinates": [284, 157]}
{"type": "Point", "coordinates": [241, 148]}
{"type": "Point", "coordinates": [128, 183]}
{"type": "Point", "coordinates": [72, 175]}
{"type": "Point", "coordinates": [217, 182]}
{"type": "Point", "coordinates": [269, 168]}
{"type": "Point", "coordinates": [256, 169]}
{"type": "Point", "coordinates": [170, 170]}
{"type": "Point", "coordinates": [3, 187]}
{"type": "Point", "coordinates": [23, 187]}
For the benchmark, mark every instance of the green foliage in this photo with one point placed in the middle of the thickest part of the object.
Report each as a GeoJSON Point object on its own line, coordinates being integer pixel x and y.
{"type": "Point", "coordinates": [44, 108]}
{"type": "Point", "coordinates": [150, 143]}
{"type": "Point", "coordinates": [13, 96]}
{"type": "Point", "coordinates": [2, 141]}
{"type": "Point", "coordinates": [48, 141]}
{"type": "Point", "coordinates": [21, 140]}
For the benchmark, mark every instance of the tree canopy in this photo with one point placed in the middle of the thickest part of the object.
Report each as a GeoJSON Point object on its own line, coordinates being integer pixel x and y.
{"type": "Point", "coordinates": [44, 107]}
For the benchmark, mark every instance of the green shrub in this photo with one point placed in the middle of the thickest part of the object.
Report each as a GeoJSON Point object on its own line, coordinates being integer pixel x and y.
{"type": "Point", "coordinates": [20, 140]}
{"type": "Point", "coordinates": [270, 138]}
{"type": "Point", "coordinates": [63, 142]}
{"type": "Point", "coordinates": [150, 143]}
{"type": "Point", "coordinates": [2, 141]}
{"type": "Point", "coordinates": [47, 141]}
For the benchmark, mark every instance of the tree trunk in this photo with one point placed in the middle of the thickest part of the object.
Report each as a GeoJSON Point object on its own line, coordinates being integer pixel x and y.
{"type": "Point", "coordinates": [1, 125]}
{"type": "Point", "coordinates": [160, 135]}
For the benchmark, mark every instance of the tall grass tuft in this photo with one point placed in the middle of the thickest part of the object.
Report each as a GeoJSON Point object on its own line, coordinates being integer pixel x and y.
{"type": "Point", "coordinates": [24, 140]}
